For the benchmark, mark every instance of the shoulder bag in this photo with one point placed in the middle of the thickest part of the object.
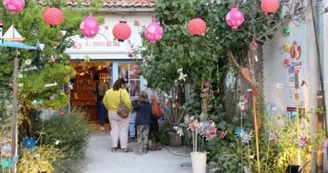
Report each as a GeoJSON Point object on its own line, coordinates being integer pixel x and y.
{"type": "Point", "coordinates": [122, 110]}
{"type": "Point", "coordinates": [155, 108]}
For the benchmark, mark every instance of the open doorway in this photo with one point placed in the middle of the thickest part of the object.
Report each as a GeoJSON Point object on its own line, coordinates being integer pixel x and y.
{"type": "Point", "coordinates": [82, 94]}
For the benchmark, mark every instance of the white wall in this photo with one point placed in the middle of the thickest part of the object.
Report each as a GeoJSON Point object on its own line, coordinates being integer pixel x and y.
{"type": "Point", "coordinates": [275, 71]}
{"type": "Point", "coordinates": [103, 45]}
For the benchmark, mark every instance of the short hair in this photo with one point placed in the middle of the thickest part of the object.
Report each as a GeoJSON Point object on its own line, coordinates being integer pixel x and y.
{"type": "Point", "coordinates": [143, 96]}
{"type": "Point", "coordinates": [118, 84]}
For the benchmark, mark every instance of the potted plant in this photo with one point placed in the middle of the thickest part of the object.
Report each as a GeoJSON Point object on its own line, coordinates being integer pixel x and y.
{"type": "Point", "coordinates": [201, 132]}
{"type": "Point", "coordinates": [175, 117]}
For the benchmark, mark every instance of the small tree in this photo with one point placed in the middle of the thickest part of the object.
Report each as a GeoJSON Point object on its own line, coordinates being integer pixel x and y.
{"type": "Point", "coordinates": [30, 25]}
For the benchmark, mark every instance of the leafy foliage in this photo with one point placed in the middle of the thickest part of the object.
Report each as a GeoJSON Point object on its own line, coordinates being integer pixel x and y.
{"type": "Point", "coordinates": [34, 86]}
{"type": "Point", "coordinates": [71, 131]}
{"type": "Point", "coordinates": [40, 160]}
{"type": "Point", "coordinates": [199, 56]}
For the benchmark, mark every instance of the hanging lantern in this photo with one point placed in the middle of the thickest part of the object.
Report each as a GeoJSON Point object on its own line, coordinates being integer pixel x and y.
{"type": "Point", "coordinates": [153, 32]}
{"type": "Point", "coordinates": [270, 6]}
{"type": "Point", "coordinates": [286, 31]}
{"type": "Point", "coordinates": [235, 18]}
{"type": "Point", "coordinates": [89, 27]}
{"type": "Point", "coordinates": [196, 27]}
{"type": "Point", "coordinates": [122, 31]}
{"type": "Point", "coordinates": [53, 16]}
{"type": "Point", "coordinates": [287, 47]}
{"type": "Point", "coordinates": [14, 6]}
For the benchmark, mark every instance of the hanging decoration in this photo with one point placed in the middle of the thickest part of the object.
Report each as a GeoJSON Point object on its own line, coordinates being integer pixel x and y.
{"type": "Point", "coordinates": [270, 6]}
{"type": "Point", "coordinates": [5, 163]}
{"type": "Point", "coordinates": [89, 27]}
{"type": "Point", "coordinates": [242, 106]}
{"type": "Point", "coordinates": [60, 112]}
{"type": "Point", "coordinates": [86, 59]}
{"type": "Point", "coordinates": [325, 144]}
{"type": "Point", "coordinates": [302, 142]}
{"type": "Point", "coordinates": [296, 51]}
{"type": "Point", "coordinates": [29, 144]}
{"type": "Point", "coordinates": [287, 47]}
{"type": "Point", "coordinates": [287, 62]}
{"type": "Point", "coordinates": [196, 27]}
{"type": "Point", "coordinates": [273, 107]}
{"type": "Point", "coordinates": [238, 132]}
{"type": "Point", "coordinates": [50, 85]}
{"type": "Point", "coordinates": [286, 31]}
{"type": "Point", "coordinates": [273, 137]}
{"type": "Point", "coordinates": [122, 31]}
{"type": "Point", "coordinates": [153, 32]}
{"type": "Point", "coordinates": [53, 16]}
{"type": "Point", "coordinates": [14, 6]}
{"type": "Point", "coordinates": [291, 69]}
{"type": "Point", "coordinates": [245, 137]}
{"type": "Point", "coordinates": [37, 103]}
{"type": "Point", "coordinates": [52, 59]}
{"type": "Point", "coordinates": [235, 18]}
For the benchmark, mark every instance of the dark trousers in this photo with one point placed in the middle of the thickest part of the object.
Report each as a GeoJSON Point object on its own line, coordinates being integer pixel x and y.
{"type": "Point", "coordinates": [101, 112]}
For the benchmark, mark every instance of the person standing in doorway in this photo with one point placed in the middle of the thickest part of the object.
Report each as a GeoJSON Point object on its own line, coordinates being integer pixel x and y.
{"type": "Point", "coordinates": [119, 126]}
{"type": "Point", "coordinates": [99, 89]}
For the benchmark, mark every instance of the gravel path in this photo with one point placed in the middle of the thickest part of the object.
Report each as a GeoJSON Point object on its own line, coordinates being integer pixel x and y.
{"type": "Point", "coordinates": [101, 160]}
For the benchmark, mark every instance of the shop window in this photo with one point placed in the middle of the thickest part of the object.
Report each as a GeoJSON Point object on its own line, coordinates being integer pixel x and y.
{"type": "Point", "coordinates": [130, 72]}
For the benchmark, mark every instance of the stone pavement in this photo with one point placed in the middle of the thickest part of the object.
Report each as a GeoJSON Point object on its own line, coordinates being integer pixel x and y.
{"type": "Point", "coordinates": [100, 159]}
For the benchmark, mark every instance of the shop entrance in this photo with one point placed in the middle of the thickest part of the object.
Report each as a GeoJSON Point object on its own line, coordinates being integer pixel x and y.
{"type": "Point", "coordinates": [82, 94]}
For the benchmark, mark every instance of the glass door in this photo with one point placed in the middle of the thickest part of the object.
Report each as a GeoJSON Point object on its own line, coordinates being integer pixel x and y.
{"type": "Point", "coordinates": [130, 73]}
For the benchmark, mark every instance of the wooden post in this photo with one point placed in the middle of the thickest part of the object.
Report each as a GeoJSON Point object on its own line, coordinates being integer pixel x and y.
{"type": "Point", "coordinates": [256, 134]}
{"type": "Point", "coordinates": [14, 116]}
{"type": "Point", "coordinates": [320, 119]}
{"type": "Point", "coordinates": [297, 97]}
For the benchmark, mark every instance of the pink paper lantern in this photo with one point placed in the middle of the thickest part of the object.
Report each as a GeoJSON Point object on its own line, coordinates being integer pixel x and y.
{"type": "Point", "coordinates": [153, 32]}
{"type": "Point", "coordinates": [235, 18]}
{"type": "Point", "coordinates": [89, 27]}
{"type": "Point", "coordinates": [14, 6]}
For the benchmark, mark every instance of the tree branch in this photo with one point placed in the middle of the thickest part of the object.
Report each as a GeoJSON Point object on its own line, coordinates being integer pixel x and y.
{"type": "Point", "coordinates": [233, 59]}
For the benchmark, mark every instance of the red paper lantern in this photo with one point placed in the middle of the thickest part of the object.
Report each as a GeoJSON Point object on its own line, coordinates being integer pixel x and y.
{"type": "Point", "coordinates": [53, 16]}
{"type": "Point", "coordinates": [122, 31]}
{"type": "Point", "coordinates": [270, 6]}
{"type": "Point", "coordinates": [196, 27]}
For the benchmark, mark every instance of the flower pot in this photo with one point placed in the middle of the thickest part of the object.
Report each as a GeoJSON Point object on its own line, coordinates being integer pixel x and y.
{"type": "Point", "coordinates": [198, 160]}
{"type": "Point", "coordinates": [175, 140]}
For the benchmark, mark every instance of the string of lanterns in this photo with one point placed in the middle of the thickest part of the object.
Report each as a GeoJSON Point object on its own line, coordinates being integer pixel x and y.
{"type": "Point", "coordinates": [153, 32]}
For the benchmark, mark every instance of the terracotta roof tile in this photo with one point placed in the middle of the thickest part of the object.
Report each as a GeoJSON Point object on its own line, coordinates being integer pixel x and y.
{"type": "Point", "coordinates": [114, 3]}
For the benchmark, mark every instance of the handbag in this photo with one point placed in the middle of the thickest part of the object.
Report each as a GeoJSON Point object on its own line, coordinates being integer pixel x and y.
{"type": "Point", "coordinates": [122, 110]}
{"type": "Point", "coordinates": [155, 108]}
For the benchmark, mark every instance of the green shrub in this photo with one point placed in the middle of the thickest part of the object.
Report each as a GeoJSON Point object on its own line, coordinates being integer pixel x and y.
{"type": "Point", "coordinates": [164, 138]}
{"type": "Point", "coordinates": [69, 132]}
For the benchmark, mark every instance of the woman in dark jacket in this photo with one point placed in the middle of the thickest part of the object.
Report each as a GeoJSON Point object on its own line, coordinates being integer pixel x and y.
{"type": "Point", "coordinates": [143, 121]}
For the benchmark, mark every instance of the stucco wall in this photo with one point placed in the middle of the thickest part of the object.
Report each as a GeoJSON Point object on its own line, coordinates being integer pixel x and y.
{"type": "Point", "coordinates": [275, 72]}
{"type": "Point", "coordinates": [103, 46]}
